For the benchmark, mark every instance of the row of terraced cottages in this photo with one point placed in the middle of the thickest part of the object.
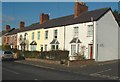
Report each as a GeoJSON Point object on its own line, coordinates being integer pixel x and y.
{"type": "Point", "coordinates": [92, 33]}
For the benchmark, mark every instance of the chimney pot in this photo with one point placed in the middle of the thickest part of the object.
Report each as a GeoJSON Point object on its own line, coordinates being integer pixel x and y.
{"type": "Point", "coordinates": [79, 8]}
{"type": "Point", "coordinates": [44, 18]}
{"type": "Point", "coordinates": [8, 27]}
{"type": "Point", "coordinates": [22, 25]}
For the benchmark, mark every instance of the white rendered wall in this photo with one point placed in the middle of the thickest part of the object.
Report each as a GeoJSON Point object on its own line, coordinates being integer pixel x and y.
{"type": "Point", "coordinates": [107, 38]}
{"type": "Point", "coordinates": [60, 37]}
{"type": "Point", "coordinates": [69, 31]}
{"type": "Point", "coordinates": [28, 39]}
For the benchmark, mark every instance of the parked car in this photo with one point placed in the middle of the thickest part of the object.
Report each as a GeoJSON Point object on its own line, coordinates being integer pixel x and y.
{"type": "Point", "coordinates": [7, 55]}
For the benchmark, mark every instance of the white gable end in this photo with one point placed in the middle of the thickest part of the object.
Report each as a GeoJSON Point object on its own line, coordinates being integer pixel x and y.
{"type": "Point", "coordinates": [107, 38]}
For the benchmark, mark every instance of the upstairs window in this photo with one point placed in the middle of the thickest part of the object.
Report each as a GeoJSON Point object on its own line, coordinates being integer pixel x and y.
{"type": "Point", "coordinates": [20, 37]}
{"type": "Point", "coordinates": [38, 35]}
{"type": "Point", "coordinates": [25, 36]}
{"type": "Point", "coordinates": [46, 34]}
{"type": "Point", "coordinates": [32, 35]}
{"type": "Point", "coordinates": [55, 33]}
{"type": "Point", "coordinates": [90, 30]}
{"type": "Point", "coordinates": [75, 31]}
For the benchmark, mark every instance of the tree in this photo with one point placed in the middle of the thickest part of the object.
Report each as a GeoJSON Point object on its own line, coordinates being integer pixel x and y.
{"type": "Point", "coordinates": [6, 47]}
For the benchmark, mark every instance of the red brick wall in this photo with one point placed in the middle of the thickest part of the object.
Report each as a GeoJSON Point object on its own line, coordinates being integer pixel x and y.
{"type": "Point", "coordinates": [7, 40]}
{"type": "Point", "coordinates": [79, 8]}
{"type": "Point", "coordinates": [44, 18]}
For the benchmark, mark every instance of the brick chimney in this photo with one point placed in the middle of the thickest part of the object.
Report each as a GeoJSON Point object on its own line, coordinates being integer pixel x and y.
{"type": "Point", "coordinates": [79, 8]}
{"type": "Point", "coordinates": [8, 27]}
{"type": "Point", "coordinates": [22, 25]}
{"type": "Point", "coordinates": [44, 18]}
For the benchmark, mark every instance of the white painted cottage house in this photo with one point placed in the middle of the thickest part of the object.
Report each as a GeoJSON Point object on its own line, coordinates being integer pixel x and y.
{"type": "Point", "coordinates": [93, 32]}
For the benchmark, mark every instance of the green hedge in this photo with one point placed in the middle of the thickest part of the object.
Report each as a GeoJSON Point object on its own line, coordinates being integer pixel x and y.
{"type": "Point", "coordinates": [32, 54]}
{"type": "Point", "coordinates": [27, 54]}
{"type": "Point", "coordinates": [6, 47]}
{"type": "Point", "coordinates": [55, 55]}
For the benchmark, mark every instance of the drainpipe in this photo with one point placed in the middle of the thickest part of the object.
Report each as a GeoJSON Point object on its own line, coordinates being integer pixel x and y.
{"type": "Point", "coordinates": [95, 45]}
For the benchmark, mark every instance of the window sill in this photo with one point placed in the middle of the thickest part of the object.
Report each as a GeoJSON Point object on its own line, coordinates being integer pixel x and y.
{"type": "Point", "coordinates": [89, 36]}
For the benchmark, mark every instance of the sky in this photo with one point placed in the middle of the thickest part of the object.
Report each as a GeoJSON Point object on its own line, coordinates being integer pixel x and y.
{"type": "Point", "coordinates": [29, 12]}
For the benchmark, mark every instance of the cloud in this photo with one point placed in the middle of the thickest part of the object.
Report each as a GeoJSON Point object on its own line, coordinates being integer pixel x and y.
{"type": "Point", "coordinates": [7, 19]}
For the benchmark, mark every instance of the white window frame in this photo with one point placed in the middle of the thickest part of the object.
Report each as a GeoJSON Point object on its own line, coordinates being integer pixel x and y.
{"type": "Point", "coordinates": [73, 49]}
{"type": "Point", "coordinates": [76, 31]}
{"type": "Point", "coordinates": [55, 33]}
{"type": "Point", "coordinates": [33, 47]}
{"type": "Point", "coordinates": [38, 35]}
{"type": "Point", "coordinates": [33, 35]}
{"type": "Point", "coordinates": [21, 37]}
{"type": "Point", "coordinates": [46, 34]}
{"type": "Point", "coordinates": [45, 47]}
{"type": "Point", "coordinates": [25, 36]}
{"type": "Point", "coordinates": [55, 46]}
{"type": "Point", "coordinates": [90, 30]}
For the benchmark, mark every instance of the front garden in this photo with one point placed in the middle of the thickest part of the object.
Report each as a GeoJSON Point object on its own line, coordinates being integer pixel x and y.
{"type": "Point", "coordinates": [53, 55]}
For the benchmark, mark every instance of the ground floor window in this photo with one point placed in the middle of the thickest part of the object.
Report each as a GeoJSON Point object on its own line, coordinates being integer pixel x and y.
{"type": "Point", "coordinates": [33, 47]}
{"type": "Point", "coordinates": [55, 47]}
{"type": "Point", "coordinates": [73, 49]}
{"type": "Point", "coordinates": [45, 47]}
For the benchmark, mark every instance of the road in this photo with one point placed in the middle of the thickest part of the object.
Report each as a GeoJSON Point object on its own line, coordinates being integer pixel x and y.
{"type": "Point", "coordinates": [17, 71]}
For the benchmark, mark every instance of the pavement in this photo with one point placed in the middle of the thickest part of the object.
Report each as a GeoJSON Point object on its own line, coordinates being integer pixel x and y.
{"type": "Point", "coordinates": [105, 70]}
{"type": "Point", "coordinates": [19, 71]}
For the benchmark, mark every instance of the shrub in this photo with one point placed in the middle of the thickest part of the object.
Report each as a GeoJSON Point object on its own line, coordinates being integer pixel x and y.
{"type": "Point", "coordinates": [31, 54]}
{"type": "Point", "coordinates": [6, 47]}
{"type": "Point", "coordinates": [27, 54]}
{"type": "Point", "coordinates": [55, 54]}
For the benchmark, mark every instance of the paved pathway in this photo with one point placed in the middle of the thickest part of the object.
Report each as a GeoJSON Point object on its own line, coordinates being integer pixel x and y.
{"type": "Point", "coordinates": [107, 70]}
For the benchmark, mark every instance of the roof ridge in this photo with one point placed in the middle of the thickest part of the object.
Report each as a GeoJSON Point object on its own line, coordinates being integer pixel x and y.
{"type": "Point", "coordinates": [62, 17]}
{"type": "Point", "coordinates": [100, 9]}
{"type": "Point", "coordinates": [84, 12]}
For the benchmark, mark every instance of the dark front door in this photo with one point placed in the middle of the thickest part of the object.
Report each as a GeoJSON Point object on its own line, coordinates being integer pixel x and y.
{"type": "Point", "coordinates": [91, 51]}
{"type": "Point", "coordinates": [41, 48]}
